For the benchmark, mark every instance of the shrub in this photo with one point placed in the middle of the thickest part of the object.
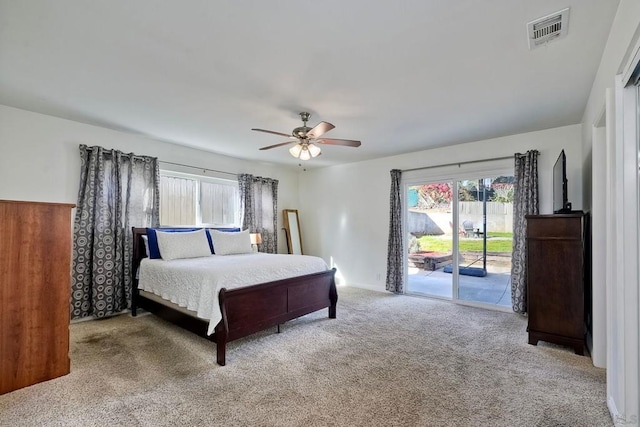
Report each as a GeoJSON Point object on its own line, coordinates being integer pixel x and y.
{"type": "Point", "coordinates": [413, 244]}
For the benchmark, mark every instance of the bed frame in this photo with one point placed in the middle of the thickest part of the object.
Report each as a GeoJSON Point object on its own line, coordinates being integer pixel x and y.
{"type": "Point", "coordinates": [248, 309]}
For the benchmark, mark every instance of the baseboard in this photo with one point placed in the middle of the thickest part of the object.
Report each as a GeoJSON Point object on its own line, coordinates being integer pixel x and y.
{"type": "Point", "coordinates": [620, 420]}
{"type": "Point", "coordinates": [613, 411]}
{"type": "Point", "coordinates": [367, 287]}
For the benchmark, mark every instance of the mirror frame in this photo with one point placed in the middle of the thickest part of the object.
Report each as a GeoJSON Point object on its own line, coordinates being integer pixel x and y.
{"type": "Point", "coordinates": [287, 227]}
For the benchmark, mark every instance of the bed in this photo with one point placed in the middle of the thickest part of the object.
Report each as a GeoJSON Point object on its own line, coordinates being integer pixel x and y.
{"type": "Point", "coordinates": [239, 311]}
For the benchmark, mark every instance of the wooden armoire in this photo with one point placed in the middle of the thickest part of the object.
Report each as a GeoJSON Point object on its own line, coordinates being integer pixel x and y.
{"type": "Point", "coordinates": [556, 279]}
{"type": "Point", "coordinates": [35, 286]}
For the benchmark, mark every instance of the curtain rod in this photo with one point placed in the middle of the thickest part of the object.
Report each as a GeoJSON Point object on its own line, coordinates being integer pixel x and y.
{"type": "Point", "coordinates": [458, 163]}
{"type": "Point", "coordinates": [196, 167]}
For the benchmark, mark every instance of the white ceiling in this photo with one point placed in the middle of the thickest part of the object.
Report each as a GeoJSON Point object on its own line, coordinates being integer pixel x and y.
{"type": "Point", "coordinates": [400, 76]}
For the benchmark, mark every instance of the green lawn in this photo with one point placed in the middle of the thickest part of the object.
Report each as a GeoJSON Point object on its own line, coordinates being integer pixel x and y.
{"type": "Point", "coordinates": [496, 242]}
{"type": "Point", "coordinates": [499, 234]}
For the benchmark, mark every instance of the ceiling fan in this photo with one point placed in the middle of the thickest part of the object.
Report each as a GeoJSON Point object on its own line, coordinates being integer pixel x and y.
{"type": "Point", "coordinates": [307, 138]}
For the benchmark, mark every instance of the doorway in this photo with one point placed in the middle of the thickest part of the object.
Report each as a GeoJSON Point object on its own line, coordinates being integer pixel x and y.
{"type": "Point", "coordinates": [459, 239]}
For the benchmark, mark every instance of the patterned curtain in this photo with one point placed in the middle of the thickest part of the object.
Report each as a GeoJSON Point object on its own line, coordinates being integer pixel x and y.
{"type": "Point", "coordinates": [117, 191]}
{"type": "Point", "coordinates": [395, 251]}
{"type": "Point", "coordinates": [259, 209]}
{"type": "Point", "coordinates": [525, 203]}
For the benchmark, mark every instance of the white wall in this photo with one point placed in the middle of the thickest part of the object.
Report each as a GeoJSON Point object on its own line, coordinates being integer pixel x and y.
{"type": "Point", "coordinates": [344, 212]}
{"type": "Point", "coordinates": [40, 161]}
{"type": "Point", "coordinates": [607, 326]}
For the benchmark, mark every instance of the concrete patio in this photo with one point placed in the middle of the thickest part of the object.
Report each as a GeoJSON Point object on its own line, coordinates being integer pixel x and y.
{"type": "Point", "coordinates": [493, 289]}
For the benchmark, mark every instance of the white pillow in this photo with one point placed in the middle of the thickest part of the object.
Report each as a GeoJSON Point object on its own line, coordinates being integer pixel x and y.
{"type": "Point", "coordinates": [145, 239]}
{"type": "Point", "coordinates": [187, 244]}
{"type": "Point", "coordinates": [229, 242]}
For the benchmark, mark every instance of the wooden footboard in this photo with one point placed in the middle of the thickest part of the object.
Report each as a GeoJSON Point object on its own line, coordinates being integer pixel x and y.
{"type": "Point", "coordinates": [255, 308]}
{"type": "Point", "coordinates": [249, 309]}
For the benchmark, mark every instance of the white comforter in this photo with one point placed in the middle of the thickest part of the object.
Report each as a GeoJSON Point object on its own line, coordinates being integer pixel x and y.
{"type": "Point", "coordinates": [194, 283]}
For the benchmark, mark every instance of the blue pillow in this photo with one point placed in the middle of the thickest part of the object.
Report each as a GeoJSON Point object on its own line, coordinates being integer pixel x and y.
{"type": "Point", "coordinates": [154, 250]}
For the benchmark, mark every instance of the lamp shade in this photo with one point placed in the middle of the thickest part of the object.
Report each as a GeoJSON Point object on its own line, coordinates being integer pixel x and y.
{"type": "Point", "coordinates": [256, 238]}
{"type": "Point", "coordinates": [295, 150]}
{"type": "Point", "coordinates": [304, 154]}
{"type": "Point", "coordinates": [314, 150]}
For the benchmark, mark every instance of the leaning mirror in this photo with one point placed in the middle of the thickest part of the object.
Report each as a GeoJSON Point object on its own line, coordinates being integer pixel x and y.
{"type": "Point", "coordinates": [292, 228]}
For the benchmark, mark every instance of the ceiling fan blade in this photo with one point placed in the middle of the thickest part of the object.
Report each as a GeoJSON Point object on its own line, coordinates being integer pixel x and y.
{"type": "Point", "coordinates": [320, 129]}
{"type": "Point", "coordinates": [345, 142]}
{"type": "Point", "coordinates": [275, 133]}
{"type": "Point", "coordinates": [278, 145]}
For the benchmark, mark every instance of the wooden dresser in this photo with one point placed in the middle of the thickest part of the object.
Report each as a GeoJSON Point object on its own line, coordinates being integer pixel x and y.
{"type": "Point", "coordinates": [35, 286]}
{"type": "Point", "coordinates": [555, 279]}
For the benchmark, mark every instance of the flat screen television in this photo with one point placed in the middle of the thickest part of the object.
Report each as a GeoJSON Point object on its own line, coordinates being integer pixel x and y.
{"type": "Point", "coordinates": [560, 202]}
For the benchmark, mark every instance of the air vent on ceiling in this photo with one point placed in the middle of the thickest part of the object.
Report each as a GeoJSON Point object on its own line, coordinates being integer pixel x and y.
{"type": "Point", "coordinates": [548, 28]}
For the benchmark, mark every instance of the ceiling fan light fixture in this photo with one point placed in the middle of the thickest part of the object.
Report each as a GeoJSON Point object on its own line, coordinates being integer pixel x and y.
{"type": "Point", "coordinates": [308, 139]}
{"type": "Point", "coordinates": [304, 154]}
{"type": "Point", "coordinates": [296, 150]}
{"type": "Point", "coordinates": [314, 150]}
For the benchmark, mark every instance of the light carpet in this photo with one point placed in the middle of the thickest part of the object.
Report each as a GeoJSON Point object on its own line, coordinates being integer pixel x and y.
{"type": "Point", "coordinates": [386, 360]}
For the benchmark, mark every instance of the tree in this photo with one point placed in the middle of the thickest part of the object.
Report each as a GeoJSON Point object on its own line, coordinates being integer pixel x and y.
{"type": "Point", "coordinates": [435, 195]}
{"type": "Point", "coordinates": [467, 191]}
{"type": "Point", "coordinates": [502, 192]}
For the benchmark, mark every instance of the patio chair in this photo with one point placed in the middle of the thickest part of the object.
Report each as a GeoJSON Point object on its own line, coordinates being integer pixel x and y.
{"type": "Point", "coordinates": [468, 228]}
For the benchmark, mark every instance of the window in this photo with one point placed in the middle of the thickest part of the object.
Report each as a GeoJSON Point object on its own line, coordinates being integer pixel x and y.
{"type": "Point", "coordinates": [197, 200]}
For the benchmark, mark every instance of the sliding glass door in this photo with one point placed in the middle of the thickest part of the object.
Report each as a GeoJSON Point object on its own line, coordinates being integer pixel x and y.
{"type": "Point", "coordinates": [459, 239]}
{"type": "Point", "coordinates": [430, 243]}
{"type": "Point", "coordinates": [485, 211]}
